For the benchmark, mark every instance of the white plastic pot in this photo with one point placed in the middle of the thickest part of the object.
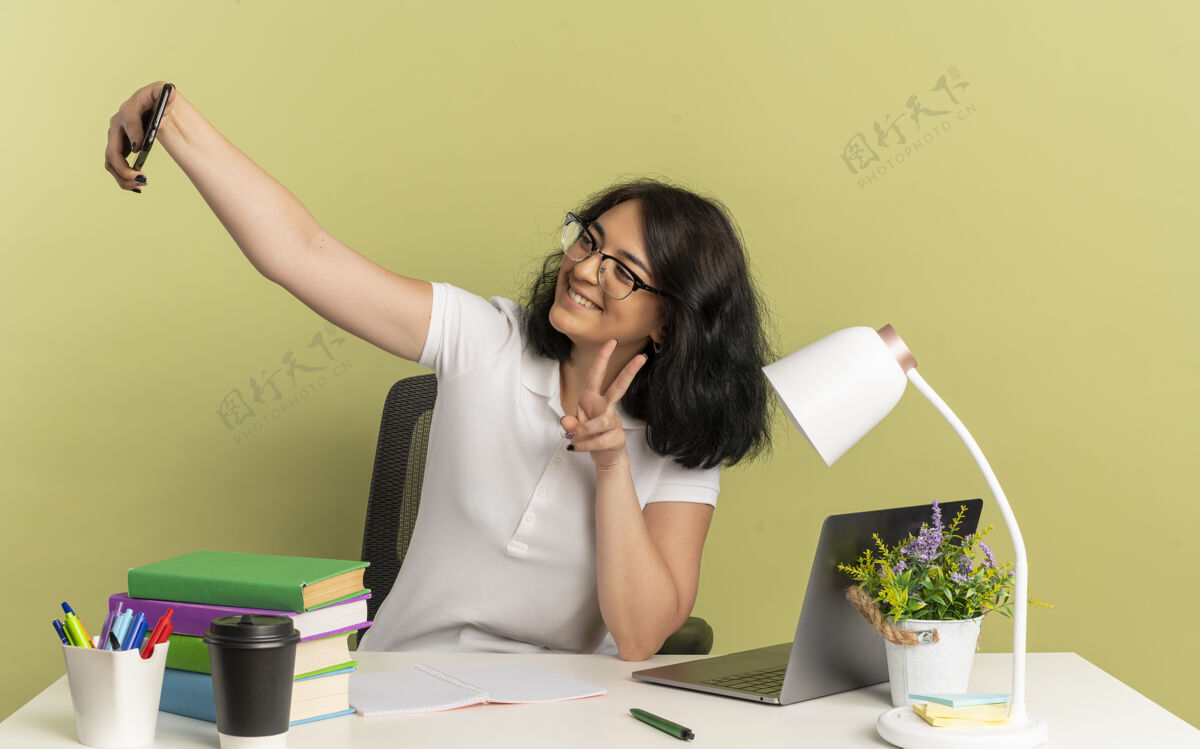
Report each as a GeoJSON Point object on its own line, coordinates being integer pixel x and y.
{"type": "Point", "coordinates": [115, 694]}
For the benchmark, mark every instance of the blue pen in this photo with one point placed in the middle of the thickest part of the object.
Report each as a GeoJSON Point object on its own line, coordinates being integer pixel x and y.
{"type": "Point", "coordinates": [133, 639]}
{"type": "Point", "coordinates": [139, 636]}
{"type": "Point", "coordinates": [119, 630]}
{"type": "Point", "coordinates": [62, 633]}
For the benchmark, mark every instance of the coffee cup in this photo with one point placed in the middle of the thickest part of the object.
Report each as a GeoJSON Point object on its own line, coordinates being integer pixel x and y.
{"type": "Point", "coordinates": [253, 658]}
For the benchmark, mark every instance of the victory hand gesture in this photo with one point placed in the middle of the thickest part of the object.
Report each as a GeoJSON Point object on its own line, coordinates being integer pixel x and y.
{"type": "Point", "coordinates": [596, 427]}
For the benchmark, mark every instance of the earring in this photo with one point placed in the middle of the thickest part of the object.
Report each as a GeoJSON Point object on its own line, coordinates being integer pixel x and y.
{"type": "Point", "coordinates": [657, 347]}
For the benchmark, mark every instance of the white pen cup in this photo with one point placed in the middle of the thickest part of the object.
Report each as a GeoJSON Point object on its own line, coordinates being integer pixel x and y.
{"type": "Point", "coordinates": [115, 694]}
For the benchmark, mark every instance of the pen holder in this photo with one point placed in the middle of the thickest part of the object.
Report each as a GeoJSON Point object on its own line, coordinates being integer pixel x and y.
{"type": "Point", "coordinates": [115, 694]}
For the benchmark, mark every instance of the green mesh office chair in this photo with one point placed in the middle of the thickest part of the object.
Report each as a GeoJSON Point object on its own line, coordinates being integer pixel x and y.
{"type": "Point", "coordinates": [395, 499]}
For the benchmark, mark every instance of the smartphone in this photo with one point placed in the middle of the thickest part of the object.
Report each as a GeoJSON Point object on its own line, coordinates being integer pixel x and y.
{"type": "Point", "coordinates": [150, 122]}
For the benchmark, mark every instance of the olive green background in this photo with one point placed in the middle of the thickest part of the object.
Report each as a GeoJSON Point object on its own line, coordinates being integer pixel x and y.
{"type": "Point", "coordinates": [1034, 243]}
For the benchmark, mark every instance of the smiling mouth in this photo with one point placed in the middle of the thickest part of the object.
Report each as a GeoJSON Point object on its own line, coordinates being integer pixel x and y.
{"type": "Point", "coordinates": [581, 300]}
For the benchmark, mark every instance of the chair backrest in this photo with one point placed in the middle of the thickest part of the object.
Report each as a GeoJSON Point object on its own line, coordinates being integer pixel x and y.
{"type": "Point", "coordinates": [396, 481]}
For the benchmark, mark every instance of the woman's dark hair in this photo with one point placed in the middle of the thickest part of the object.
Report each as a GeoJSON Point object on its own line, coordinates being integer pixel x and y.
{"type": "Point", "coordinates": [704, 397]}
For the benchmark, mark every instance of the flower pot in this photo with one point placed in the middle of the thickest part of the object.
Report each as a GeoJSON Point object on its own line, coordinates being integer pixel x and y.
{"type": "Point", "coordinates": [942, 666]}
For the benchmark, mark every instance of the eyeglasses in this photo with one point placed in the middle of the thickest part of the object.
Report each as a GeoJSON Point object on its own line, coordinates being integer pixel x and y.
{"type": "Point", "coordinates": [616, 279]}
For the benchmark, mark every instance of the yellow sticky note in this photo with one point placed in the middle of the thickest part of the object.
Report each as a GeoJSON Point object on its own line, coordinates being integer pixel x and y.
{"type": "Point", "coordinates": [990, 713]}
{"type": "Point", "coordinates": [941, 716]}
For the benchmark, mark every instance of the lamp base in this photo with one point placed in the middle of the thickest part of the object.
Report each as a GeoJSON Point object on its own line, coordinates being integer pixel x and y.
{"type": "Point", "coordinates": [904, 728]}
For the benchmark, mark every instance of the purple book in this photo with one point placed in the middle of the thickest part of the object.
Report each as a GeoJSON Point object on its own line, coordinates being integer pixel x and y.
{"type": "Point", "coordinates": [193, 618]}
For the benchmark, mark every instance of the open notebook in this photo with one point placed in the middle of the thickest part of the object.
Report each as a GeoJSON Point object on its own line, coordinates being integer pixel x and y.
{"type": "Point", "coordinates": [423, 689]}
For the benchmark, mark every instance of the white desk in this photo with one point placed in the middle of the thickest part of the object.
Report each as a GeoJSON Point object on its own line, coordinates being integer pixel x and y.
{"type": "Point", "coordinates": [1083, 706]}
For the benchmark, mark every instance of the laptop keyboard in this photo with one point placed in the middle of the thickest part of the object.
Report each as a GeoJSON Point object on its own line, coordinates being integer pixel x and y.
{"type": "Point", "coordinates": [767, 681]}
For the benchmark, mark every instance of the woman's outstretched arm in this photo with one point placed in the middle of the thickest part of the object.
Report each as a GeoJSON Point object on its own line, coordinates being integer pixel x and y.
{"type": "Point", "coordinates": [274, 230]}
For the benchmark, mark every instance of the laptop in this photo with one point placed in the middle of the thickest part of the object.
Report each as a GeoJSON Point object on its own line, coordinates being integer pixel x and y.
{"type": "Point", "coordinates": [834, 649]}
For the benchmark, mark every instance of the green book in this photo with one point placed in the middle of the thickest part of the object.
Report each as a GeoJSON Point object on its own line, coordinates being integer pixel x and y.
{"type": "Point", "coordinates": [260, 581]}
{"type": "Point", "coordinates": [188, 653]}
{"type": "Point", "coordinates": [313, 657]}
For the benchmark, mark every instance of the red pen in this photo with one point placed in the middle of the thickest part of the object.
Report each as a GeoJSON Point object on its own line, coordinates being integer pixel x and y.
{"type": "Point", "coordinates": [148, 650]}
{"type": "Point", "coordinates": [161, 630]}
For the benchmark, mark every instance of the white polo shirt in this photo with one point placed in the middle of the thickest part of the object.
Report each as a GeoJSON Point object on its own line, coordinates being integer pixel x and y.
{"type": "Point", "coordinates": [503, 555]}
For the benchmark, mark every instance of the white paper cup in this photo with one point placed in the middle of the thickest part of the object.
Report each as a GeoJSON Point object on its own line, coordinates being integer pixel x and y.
{"type": "Point", "coordinates": [115, 694]}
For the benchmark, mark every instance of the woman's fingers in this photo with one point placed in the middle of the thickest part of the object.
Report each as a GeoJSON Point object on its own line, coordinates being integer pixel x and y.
{"type": "Point", "coordinates": [617, 389]}
{"type": "Point", "coordinates": [590, 406]}
{"type": "Point", "coordinates": [604, 432]}
{"type": "Point", "coordinates": [605, 422]}
{"type": "Point", "coordinates": [125, 135]}
{"type": "Point", "coordinates": [606, 441]}
{"type": "Point", "coordinates": [594, 381]}
{"type": "Point", "coordinates": [114, 156]}
{"type": "Point", "coordinates": [596, 427]}
{"type": "Point", "coordinates": [569, 425]}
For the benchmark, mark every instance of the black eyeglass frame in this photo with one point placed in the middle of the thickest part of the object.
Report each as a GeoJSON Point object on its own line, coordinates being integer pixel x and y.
{"type": "Point", "coordinates": [638, 283]}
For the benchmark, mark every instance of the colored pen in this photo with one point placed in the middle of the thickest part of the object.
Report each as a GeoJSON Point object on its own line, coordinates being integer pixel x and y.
{"type": "Point", "coordinates": [164, 623]}
{"type": "Point", "coordinates": [75, 632]}
{"type": "Point", "coordinates": [119, 630]}
{"type": "Point", "coordinates": [139, 636]}
{"type": "Point", "coordinates": [127, 624]}
{"type": "Point", "coordinates": [62, 633]}
{"type": "Point", "coordinates": [136, 630]}
{"type": "Point", "coordinates": [71, 614]}
{"type": "Point", "coordinates": [152, 640]}
{"type": "Point", "coordinates": [116, 616]}
{"type": "Point", "coordinates": [663, 724]}
{"type": "Point", "coordinates": [108, 622]}
{"type": "Point", "coordinates": [166, 634]}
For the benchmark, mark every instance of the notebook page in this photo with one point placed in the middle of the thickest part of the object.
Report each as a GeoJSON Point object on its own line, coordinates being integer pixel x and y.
{"type": "Point", "coordinates": [408, 690]}
{"type": "Point", "coordinates": [524, 683]}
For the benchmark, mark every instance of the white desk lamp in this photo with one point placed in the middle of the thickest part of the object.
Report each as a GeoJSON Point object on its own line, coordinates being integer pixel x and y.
{"type": "Point", "coordinates": [837, 389]}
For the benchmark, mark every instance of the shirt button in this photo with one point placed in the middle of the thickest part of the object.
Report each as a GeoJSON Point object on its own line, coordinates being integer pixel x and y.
{"type": "Point", "coordinates": [529, 517]}
{"type": "Point", "coordinates": [541, 492]}
{"type": "Point", "coordinates": [558, 461]}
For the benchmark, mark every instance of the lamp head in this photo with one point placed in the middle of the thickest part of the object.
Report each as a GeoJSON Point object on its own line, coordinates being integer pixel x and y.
{"type": "Point", "coordinates": [838, 388]}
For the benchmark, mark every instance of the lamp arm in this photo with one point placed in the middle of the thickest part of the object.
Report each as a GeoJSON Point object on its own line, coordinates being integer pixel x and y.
{"type": "Point", "coordinates": [1021, 568]}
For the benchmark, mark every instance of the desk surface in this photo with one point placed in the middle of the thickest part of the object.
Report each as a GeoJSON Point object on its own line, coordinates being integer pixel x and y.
{"type": "Point", "coordinates": [1084, 707]}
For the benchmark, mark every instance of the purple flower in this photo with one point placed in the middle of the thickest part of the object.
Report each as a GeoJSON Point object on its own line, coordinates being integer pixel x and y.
{"type": "Point", "coordinates": [991, 559]}
{"type": "Point", "coordinates": [964, 565]}
{"type": "Point", "coordinates": [958, 577]}
{"type": "Point", "coordinates": [926, 545]}
{"type": "Point", "coordinates": [900, 567]}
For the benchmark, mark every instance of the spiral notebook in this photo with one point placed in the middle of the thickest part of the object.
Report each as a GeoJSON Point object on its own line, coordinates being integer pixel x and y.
{"type": "Point", "coordinates": [424, 689]}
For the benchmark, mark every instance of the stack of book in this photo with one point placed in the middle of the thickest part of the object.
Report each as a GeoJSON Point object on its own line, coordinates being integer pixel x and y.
{"type": "Point", "coordinates": [324, 597]}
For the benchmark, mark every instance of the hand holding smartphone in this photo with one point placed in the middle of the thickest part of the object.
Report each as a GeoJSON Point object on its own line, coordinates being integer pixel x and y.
{"type": "Point", "coordinates": [150, 121]}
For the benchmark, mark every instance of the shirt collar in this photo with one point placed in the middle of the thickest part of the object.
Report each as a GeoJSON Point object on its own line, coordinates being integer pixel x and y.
{"type": "Point", "coordinates": [539, 374]}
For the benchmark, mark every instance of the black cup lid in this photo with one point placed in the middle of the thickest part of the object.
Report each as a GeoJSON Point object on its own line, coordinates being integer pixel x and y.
{"type": "Point", "coordinates": [253, 630]}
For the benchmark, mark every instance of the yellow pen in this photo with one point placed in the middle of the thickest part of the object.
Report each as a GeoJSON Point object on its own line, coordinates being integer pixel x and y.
{"type": "Point", "coordinates": [85, 638]}
{"type": "Point", "coordinates": [67, 610]}
{"type": "Point", "coordinates": [75, 632]}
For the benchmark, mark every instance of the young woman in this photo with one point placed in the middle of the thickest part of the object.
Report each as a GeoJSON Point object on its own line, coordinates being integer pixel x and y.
{"type": "Point", "coordinates": [577, 439]}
